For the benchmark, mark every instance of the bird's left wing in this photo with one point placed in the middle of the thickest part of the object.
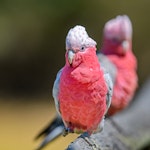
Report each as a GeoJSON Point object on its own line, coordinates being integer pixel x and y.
{"type": "Point", "coordinates": [109, 84]}
{"type": "Point", "coordinates": [109, 74]}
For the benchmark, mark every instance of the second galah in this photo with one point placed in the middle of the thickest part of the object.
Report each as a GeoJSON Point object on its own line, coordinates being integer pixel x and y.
{"type": "Point", "coordinates": [117, 57]}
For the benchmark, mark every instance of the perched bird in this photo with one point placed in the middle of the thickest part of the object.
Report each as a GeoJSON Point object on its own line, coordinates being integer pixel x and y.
{"type": "Point", "coordinates": [121, 62]}
{"type": "Point", "coordinates": [82, 90]}
{"type": "Point", "coordinates": [116, 58]}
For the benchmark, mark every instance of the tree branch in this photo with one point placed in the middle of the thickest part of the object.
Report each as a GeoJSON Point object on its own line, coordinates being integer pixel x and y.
{"type": "Point", "coordinates": [127, 130]}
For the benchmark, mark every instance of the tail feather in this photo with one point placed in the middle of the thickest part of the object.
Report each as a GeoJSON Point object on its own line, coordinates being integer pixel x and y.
{"type": "Point", "coordinates": [53, 135]}
{"type": "Point", "coordinates": [51, 132]}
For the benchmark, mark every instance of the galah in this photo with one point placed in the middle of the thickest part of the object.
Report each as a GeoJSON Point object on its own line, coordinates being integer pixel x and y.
{"type": "Point", "coordinates": [82, 90]}
{"type": "Point", "coordinates": [117, 57]}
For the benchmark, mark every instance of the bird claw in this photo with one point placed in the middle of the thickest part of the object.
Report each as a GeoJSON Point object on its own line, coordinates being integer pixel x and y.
{"type": "Point", "coordinates": [66, 131]}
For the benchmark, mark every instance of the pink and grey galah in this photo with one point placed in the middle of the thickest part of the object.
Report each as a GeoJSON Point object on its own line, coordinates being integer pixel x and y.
{"type": "Point", "coordinates": [82, 90]}
{"type": "Point", "coordinates": [117, 57]}
{"type": "Point", "coordinates": [118, 64]}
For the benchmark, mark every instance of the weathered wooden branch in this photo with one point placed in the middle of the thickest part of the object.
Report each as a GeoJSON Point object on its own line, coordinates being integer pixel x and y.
{"type": "Point", "coordinates": [128, 130]}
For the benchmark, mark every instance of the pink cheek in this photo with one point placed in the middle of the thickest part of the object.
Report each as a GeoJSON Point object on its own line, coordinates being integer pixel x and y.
{"type": "Point", "coordinates": [77, 61]}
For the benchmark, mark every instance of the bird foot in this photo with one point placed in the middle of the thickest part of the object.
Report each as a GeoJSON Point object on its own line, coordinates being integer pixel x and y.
{"type": "Point", "coordinates": [66, 131]}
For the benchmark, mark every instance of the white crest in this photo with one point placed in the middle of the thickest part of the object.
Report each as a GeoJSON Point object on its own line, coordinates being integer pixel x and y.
{"type": "Point", "coordinates": [120, 27]}
{"type": "Point", "coordinates": [78, 37]}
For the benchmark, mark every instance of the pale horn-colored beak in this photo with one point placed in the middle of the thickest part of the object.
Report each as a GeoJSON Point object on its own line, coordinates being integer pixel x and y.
{"type": "Point", "coordinates": [125, 45]}
{"type": "Point", "coordinates": [70, 56]}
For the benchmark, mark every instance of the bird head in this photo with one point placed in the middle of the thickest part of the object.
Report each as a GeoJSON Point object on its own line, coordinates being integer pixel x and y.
{"type": "Point", "coordinates": [77, 44]}
{"type": "Point", "coordinates": [118, 35]}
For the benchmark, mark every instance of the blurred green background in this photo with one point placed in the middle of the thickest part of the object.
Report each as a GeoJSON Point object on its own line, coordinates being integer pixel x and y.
{"type": "Point", "coordinates": [32, 48]}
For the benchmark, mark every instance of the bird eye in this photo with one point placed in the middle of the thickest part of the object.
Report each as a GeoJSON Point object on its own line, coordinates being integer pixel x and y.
{"type": "Point", "coordinates": [82, 48]}
{"type": "Point", "coordinates": [115, 40]}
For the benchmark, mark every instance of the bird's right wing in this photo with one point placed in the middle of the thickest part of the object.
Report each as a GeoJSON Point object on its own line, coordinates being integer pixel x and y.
{"type": "Point", "coordinates": [56, 90]}
{"type": "Point", "coordinates": [56, 127]}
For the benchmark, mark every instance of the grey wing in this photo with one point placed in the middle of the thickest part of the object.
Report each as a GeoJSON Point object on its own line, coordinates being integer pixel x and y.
{"type": "Point", "coordinates": [109, 84]}
{"type": "Point", "coordinates": [56, 91]}
{"type": "Point", "coordinates": [107, 66]}
{"type": "Point", "coordinates": [109, 70]}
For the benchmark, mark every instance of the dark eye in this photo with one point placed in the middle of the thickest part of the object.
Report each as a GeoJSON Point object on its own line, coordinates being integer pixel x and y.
{"type": "Point", "coordinates": [82, 48]}
{"type": "Point", "coordinates": [115, 40]}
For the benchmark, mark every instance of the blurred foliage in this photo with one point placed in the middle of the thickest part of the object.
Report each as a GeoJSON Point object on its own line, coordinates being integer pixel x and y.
{"type": "Point", "coordinates": [32, 38]}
